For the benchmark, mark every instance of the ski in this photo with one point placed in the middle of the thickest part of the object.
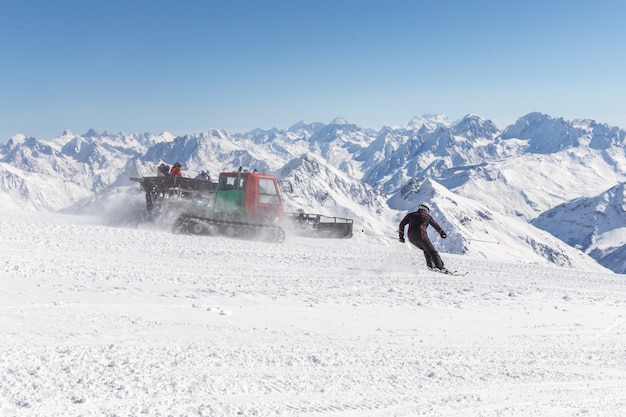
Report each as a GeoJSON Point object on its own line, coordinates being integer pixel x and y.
{"type": "Point", "coordinates": [448, 272]}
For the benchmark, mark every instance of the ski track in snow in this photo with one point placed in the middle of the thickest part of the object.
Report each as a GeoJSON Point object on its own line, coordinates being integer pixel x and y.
{"type": "Point", "coordinates": [112, 321]}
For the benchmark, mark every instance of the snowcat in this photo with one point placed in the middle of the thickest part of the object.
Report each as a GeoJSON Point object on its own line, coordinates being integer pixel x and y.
{"type": "Point", "coordinates": [240, 204]}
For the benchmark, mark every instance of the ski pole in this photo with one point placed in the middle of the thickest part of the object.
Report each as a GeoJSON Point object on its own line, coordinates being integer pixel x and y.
{"type": "Point", "coordinates": [484, 241]}
{"type": "Point", "coordinates": [378, 234]}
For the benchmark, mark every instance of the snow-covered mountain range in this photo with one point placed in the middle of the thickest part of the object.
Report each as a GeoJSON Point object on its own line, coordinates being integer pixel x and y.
{"type": "Point", "coordinates": [498, 193]}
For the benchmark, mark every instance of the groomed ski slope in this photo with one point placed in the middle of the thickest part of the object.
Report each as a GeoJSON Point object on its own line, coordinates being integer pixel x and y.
{"type": "Point", "coordinates": [110, 321]}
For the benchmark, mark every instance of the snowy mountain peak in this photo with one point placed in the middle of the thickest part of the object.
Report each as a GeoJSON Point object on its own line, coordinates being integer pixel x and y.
{"type": "Point", "coordinates": [18, 138]}
{"type": "Point", "coordinates": [91, 133]}
{"type": "Point", "coordinates": [307, 129]}
{"type": "Point", "coordinates": [67, 134]}
{"type": "Point", "coordinates": [543, 133]}
{"type": "Point", "coordinates": [339, 121]}
{"type": "Point", "coordinates": [432, 121]}
{"type": "Point", "coordinates": [472, 127]}
{"type": "Point", "coordinates": [300, 124]}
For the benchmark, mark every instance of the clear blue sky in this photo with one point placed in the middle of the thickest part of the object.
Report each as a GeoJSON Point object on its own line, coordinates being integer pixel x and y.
{"type": "Point", "coordinates": [187, 66]}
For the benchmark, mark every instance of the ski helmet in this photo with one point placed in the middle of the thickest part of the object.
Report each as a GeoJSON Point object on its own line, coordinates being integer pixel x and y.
{"type": "Point", "coordinates": [424, 206]}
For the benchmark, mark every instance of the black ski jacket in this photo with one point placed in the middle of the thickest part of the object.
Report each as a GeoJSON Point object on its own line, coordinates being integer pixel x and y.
{"type": "Point", "coordinates": [418, 221]}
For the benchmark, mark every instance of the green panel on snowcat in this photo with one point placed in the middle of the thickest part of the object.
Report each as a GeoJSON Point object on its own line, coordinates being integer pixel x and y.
{"type": "Point", "coordinates": [230, 201]}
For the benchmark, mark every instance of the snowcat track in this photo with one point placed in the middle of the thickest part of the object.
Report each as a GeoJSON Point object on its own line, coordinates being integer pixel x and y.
{"type": "Point", "coordinates": [202, 226]}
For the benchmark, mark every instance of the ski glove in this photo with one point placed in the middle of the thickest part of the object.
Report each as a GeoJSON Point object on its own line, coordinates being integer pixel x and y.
{"type": "Point", "coordinates": [401, 238]}
{"type": "Point", "coordinates": [443, 235]}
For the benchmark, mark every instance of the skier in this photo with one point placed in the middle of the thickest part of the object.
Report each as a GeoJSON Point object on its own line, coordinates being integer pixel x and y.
{"type": "Point", "coordinates": [418, 222]}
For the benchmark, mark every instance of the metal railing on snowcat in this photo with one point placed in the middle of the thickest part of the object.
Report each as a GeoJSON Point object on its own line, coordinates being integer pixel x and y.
{"type": "Point", "coordinates": [159, 188]}
{"type": "Point", "coordinates": [319, 226]}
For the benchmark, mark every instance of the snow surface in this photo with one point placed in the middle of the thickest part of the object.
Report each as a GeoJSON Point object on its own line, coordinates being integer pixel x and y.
{"type": "Point", "coordinates": [99, 320]}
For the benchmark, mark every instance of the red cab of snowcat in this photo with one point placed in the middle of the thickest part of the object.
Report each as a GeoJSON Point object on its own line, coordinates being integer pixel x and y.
{"type": "Point", "coordinates": [261, 192]}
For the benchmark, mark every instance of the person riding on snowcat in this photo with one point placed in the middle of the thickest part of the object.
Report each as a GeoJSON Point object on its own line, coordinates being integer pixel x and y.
{"type": "Point", "coordinates": [239, 204]}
